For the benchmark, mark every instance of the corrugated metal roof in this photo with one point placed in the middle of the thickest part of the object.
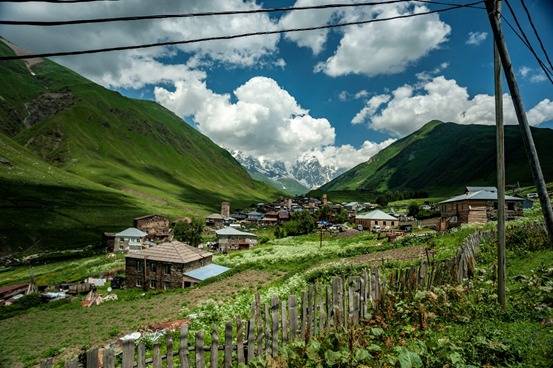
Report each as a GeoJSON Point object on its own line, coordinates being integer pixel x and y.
{"type": "Point", "coordinates": [232, 231]}
{"type": "Point", "coordinates": [173, 252]}
{"type": "Point", "coordinates": [131, 232]}
{"type": "Point", "coordinates": [482, 195]}
{"type": "Point", "coordinates": [477, 189]}
{"type": "Point", "coordinates": [375, 215]}
{"type": "Point", "coordinates": [206, 272]}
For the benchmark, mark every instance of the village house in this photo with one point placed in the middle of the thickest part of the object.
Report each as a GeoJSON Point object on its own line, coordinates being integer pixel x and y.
{"type": "Point", "coordinates": [220, 219]}
{"type": "Point", "coordinates": [476, 205]}
{"type": "Point", "coordinates": [129, 239]}
{"type": "Point", "coordinates": [157, 227]}
{"type": "Point", "coordinates": [376, 218]}
{"type": "Point", "coordinates": [255, 216]}
{"type": "Point", "coordinates": [230, 238]}
{"type": "Point", "coordinates": [169, 265]}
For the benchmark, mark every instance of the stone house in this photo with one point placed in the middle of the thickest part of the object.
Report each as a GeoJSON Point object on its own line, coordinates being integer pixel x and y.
{"type": "Point", "coordinates": [167, 265]}
{"type": "Point", "coordinates": [376, 217]}
{"type": "Point", "coordinates": [129, 239]}
{"type": "Point", "coordinates": [157, 227]}
{"type": "Point", "coordinates": [229, 238]}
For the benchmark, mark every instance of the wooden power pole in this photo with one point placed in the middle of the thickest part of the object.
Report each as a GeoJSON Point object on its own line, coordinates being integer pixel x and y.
{"type": "Point", "coordinates": [527, 139]}
{"type": "Point", "coordinates": [500, 139]}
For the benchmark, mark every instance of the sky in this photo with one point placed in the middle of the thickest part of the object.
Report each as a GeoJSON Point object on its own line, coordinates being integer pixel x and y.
{"type": "Point", "coordinates": [340, 95]}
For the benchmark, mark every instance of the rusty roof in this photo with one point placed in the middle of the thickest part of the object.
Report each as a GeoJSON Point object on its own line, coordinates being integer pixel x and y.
{"type": "Point", "coordinates": [173, 252]}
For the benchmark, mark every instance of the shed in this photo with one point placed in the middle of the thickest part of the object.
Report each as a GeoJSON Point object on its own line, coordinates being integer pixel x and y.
{"type": "Point", "coordinates": [230, 238]}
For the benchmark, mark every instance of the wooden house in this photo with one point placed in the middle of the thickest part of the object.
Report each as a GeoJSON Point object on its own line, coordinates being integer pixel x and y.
{"type": "Point", "coordinates": [476, 205]}
{"type": "Point", "coordinates": [230, 238]}
{"type": "Point", "coordinates": [157, 227]}
{"type": "Point", "coordinates": [376, 218]}
{"type": "Point", "coordinates": [167, 265]}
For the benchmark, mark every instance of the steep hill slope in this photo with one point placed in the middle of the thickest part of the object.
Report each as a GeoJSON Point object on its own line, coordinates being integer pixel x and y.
{"type": "Point", "coordinates": [133, 155]}
{"type": "Point", "coordinates": [441, 158]}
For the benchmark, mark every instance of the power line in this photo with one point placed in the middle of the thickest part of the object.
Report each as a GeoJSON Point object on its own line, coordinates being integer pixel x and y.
{"type": "Point", "coordinates": [536, 33]}
{"type": "Point", "coordinates": [214, 13]}
{"type": "Point", "coordinates": [229, 37]}
{"type": "Point", "coordinates": [526, 41]}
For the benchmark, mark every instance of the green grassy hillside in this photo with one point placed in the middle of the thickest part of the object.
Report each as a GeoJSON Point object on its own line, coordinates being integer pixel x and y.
{"type": "Point", "coordinates": [441, 158]}
{"type": "Point", "coordinates": [80, 159]}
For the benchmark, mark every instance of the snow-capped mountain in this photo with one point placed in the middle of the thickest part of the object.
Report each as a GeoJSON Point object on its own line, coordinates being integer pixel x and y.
{"type": "Point", "coordinates": [306, 170]}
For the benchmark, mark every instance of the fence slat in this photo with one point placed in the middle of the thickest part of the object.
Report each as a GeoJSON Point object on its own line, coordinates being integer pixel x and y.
{"type": "Point", "coordinates": [141, 356]}
{"type": "Point", "coordinates": [109, 359]}
{"type": "Point", "coordinates": [183, 346]}
{"type": "Point", "coordinates": [156, 355]}
{"type": "Point", "coordinates": [214, 347]}
{"type": "Point", "coordinates": [316, 305]}
{"type": "Point", "coordinates": [251, 340]}
{"type": "Point", "coordinates": [267, 330]}
{"type": "Point", "coordinates": [239, 342]}
{"type": "Point", "coordinates": [169, 351]}
{"type": "Point", "coordinates": [47, 363]}
{"type": "Point", "coordinates": [303, 314]}
{"type": "Point", "coordinates": [293, 316]}
{"type": "Point", "coordinates": [199, 349]}
{"type": "Point", "coordinates": [284, 322]}
{"type": "Point", "coordinates": [128, 354]}
{"type": "Point", "coordinates": [328, 305]}
{"type": "Point", "coordinates": [73, 363]}
{"type": "Point", "coordinates": [260, 335]}
{"type": "Point", "coordinates": [274, 330]}
{"type": "Point", "coordinates": [228, 344]}
{"type": "Point", "coordinates": [309, 324]}
{"type": "Point", "coordinates": [92, 358]}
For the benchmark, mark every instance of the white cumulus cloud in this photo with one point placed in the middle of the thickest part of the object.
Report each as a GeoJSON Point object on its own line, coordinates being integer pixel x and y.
{"type": "Point", "coordinates": [264, 121]}
{"type": "Point", "coordinates": [133, 69]}
{"type": "Point", "coordinates": [385, 47]}
{"type": "Point", "coordinates": [476, 38]}
{"type": "Point", "coordinates": [409, 107]}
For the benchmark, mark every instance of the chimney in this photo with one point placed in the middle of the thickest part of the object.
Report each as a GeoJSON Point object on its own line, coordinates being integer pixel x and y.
{"type": "Point", "coordinates": [225, 209]}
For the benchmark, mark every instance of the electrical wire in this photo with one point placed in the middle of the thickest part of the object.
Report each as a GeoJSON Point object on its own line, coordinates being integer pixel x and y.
{"type": "Point", "coordinates": [205, 14]}
{"type": "Point", "coordinates": [229, 37]}
{"type": "Point", "coordinates": [536, 33]}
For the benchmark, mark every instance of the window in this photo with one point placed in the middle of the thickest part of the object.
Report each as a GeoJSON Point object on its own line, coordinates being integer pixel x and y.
{"type": "Point", "coordinates": [168, 268]}
{"type": "Point", "coordinates": [152, 266]}
{"type": "Point", "coordinates": [384, 223]}
{"type": "Point", "coordinates": [139, 282]}
{"type": "Point", "coordinates": [166, 285]}
{"type": "Point", "coordinates": [392, 223]}
{"type": "Point", "coordinates": [139, 266]}
{"type": "Point", "coordinates": [152, 284]}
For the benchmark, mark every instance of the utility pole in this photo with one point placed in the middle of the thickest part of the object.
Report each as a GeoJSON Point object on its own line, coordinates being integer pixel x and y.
{"type": "Point", "coordinates": [527, 139]}
{"type": "Point", "coordinates": [500, 140]}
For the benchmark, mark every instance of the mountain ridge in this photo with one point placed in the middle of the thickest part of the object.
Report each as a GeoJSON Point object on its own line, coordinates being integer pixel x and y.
{"type": "Point", "coordinates": [441, 158]}
{"type": "Point", "coordinates": [132, 156]}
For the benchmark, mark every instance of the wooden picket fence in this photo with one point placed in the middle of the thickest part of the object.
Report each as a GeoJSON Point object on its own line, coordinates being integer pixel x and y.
{"type": "Point", "coordinates": [341, 303]}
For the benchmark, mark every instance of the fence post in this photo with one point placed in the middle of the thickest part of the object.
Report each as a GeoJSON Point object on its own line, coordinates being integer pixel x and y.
{"type": "Point", "coordinates": [109, 359]}
{"type": "Point", "coordinates": [239, 342]}
{"type": "Point", "coordinates": [260, 335]}
{"type": "Point", "coordinates": [169, 351]}
{"type": "Point", "coordinates": [251, 340]}
{"type": "Point", "coordinates": [293, 316]}
{"type": "Point", "coordinates": [267, 330]}
{"type": "Point", "coordinates": [47, 363]}
{"type": "Point", "coordinates": [141, 356]}
{"type": "Point", "coordinates": [128, 354]}
{"type": "Point", "coordinates": [92, 358]}
{"type": "Point", "coordinates": [183, 346]}
{"type": "Point", "coordinates": [303, 314]}
{"type": "Point", "coordinates": [214, 346]}
{"type": "Point", "coordinates": [338, 300]}
{"type": "Point", "coordinates": [156, 355]}
{"type": "Point", "coordinates": [228, 344]}
{"type": "Point", "coordinates": [284, 322]}
{"type": "Point", "coordinates": [274, 317]}
{"type": "Point", "coordinates": [199, 349]}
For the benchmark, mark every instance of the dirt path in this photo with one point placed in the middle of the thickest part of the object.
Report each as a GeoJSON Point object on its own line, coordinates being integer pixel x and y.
{"type": "Point", "coordinates": [399, 254]}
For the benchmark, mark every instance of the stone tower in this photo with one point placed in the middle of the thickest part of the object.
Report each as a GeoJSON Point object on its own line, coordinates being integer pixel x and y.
{"type": "Point", "coordinates": [225, 209]}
